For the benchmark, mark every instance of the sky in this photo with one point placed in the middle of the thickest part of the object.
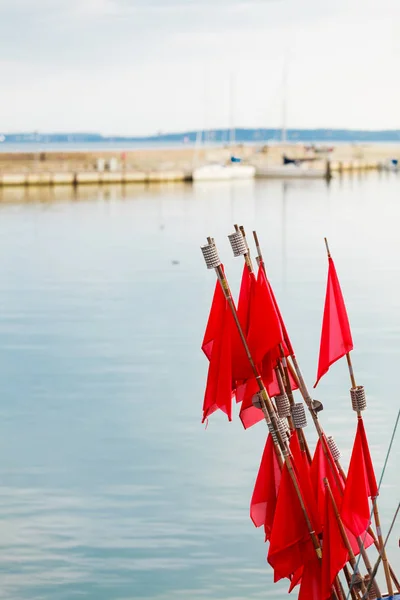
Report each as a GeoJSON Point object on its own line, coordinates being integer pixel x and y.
{"type": "Point", "coordinates": [137, 67]}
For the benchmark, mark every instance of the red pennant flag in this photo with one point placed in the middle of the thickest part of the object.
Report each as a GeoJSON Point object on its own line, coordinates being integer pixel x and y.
{"type": "Point", "coordinates": [219, 392]}
{"type": "Point", "coordinates": [249, 414]}
{"type": "Point", "coordinates": [303, 472]}
{"type": "Point", "coordinates": [310, 588]}
{"type": "Point", "coordinates": [241, 368]}
{"type": "Point", "coordinates": [265, 331]}
{"type": "Point", "coordinates": [214, 320]}
{"type": "Point", "coordinates": [263, 501]}
{"type": "Point", "coordinates": [296, 579]}
{"type": "Point", "coordinates": [360, 485]}
{"type": "Point", "coordinates": [334, 551]}
{"type": "Point", "coordinates": [287, 343]}
{"type": "Point", "coordinates": [290, 538]}
{"type": "Point", "coordinates": [336, 338]}
{"type": "Point", "coordinates": [323, 466]}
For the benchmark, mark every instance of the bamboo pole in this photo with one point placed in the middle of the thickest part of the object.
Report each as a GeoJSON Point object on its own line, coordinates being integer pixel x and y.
{"type": "Point", "coordinates": [376, 566]}
{"type": "Point", "coordinates": [269, 410]}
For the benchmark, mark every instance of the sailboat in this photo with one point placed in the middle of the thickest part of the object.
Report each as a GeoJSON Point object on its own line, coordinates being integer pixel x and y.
{"type": "Point", "coordinates": [216, 171]}
{"type": "Point", "coordinates": [290, 169]}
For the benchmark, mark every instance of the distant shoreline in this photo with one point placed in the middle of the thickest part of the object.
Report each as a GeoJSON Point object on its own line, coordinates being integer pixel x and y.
{"type": "Point", "coordinates": [112, 146]}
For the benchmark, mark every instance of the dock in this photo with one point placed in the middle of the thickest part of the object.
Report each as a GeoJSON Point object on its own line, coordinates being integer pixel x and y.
{"type": "Point", "coordinates": [159, 165]}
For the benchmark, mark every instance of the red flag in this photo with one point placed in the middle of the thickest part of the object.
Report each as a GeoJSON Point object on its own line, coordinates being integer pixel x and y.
{"type": "Point", "coordinates": [263, 501]}
{"type": "Point", "coordinates": [310, 588]}
{"type": "Point", "coordinates": [323, 466]}
{"type": "Point", "coordinates": [334, 551]}
{"type": "Point", "coordinates": [219, 392]}
{"type": "Point", "coordinates": [214, 320]}
{"type": "Point", "coordinates": [241, 368]}
{"type": "Point", "coordinates": [360, 485]}
{"type": "Point", "coordinates": [265, 332]}
{"type": "Point", "coordinates": [288, 344]}
{"type": "Point", "coordinates": [303, 473]}
{"type": "Point", "coordinates": [296, 579]}
{"type": "Point", "coordinates": [336, 338]}
{"type": "Point", "coordinates": [290, 538]}
{"type": "Point", "coordinates": [249, 414]}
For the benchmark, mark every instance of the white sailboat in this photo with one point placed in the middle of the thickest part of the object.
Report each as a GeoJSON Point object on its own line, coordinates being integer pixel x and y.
{"type": "Point", "coordinates": [220, 171]}
{"type": "Point", "coordinates": [289, 169]}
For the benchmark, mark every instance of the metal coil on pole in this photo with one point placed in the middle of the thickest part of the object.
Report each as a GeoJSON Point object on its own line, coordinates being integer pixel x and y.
{"type": "Point", "coordinates": [333, 448]}
{"type": "Point", "coordinates": [210, 254]}
{"type": "Point", "coordinates": [358, 398]}
{"type": "Point", "coordinates": [283, 405]}
{"type": "Point", "coordinates": [238, 243]}
{"type": "Point", "coordinates": [299, 415]}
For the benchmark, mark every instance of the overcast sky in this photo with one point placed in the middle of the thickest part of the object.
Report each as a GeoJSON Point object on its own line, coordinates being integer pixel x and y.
{"type": "Point", "coordinates": [140, 66]}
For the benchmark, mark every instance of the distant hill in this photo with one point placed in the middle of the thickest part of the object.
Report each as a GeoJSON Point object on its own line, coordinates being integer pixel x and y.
{"type": "Point", "coordinates": [242, 135]}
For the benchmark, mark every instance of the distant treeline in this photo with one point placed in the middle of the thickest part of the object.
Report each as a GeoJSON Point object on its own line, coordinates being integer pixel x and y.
{"type": "Point", "coordinates": [214, 136]}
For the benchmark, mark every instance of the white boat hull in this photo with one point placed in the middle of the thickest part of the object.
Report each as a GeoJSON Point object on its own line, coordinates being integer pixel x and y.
{"type": "Point", "coordinates": [291, 171]}
{"type": "Point", "coordinates": [223, 172]}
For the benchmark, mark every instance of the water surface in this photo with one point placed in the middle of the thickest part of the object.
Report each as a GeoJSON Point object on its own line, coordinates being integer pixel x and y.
{"type": "Point", "coordinates": [111, 489]}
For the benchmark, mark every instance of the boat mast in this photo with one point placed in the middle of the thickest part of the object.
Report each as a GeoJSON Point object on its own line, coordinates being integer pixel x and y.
{"type": "Point", "coordinates": [284, 100]}
{"type": "Point", "coordinates": [231, 111]}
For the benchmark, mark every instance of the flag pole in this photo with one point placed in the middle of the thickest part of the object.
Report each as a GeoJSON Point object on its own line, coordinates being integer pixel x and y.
{"type": "Point", "coordinates": [314, 408]}
{"type": "Point", "coordinates": [376, 566]}
{"type": "Point", "coordinates": [212, 260]}
{"type": "Point", "coordinates": [359, 403]}
{"type": "Point", "coordinates": [357, 579]}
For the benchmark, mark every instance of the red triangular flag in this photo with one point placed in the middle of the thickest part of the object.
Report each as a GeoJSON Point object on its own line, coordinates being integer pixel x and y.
{"type": "Point", "coordinates": [334, 551]}
{"type": "Point", "coordinates": [287, 342]}
{"type": "Point", "coordinates": [265, 332]}
{"type": "Point", "coordinates": [303, 473]}
{"type": "Point", "coordinates": [336, 338]}
{"type": "Point", "coordinates": [310, 588]}
{"type": "Point", "coordinates": [214, 320]}
{"type": "Point", "coordinates": [289, 536]}
{"type": "Point", "coordinates": [241, 368]}
{"type": "Point", "coordinates": [249, 414]}
{"type": "Point", "coordinates": [323, 466]}
{"type": "Point", "coordinates": [360, 485]}
{"type": "Point", "coordinates": [263, 501]}
{"type": "Point", "coordinates": [219, 392]}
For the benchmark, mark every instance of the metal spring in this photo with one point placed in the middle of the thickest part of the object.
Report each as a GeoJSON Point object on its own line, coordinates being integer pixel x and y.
{"type": "Point", "coordinates": [333, 448]}
{"type": "Point", "coordinates": [283, 428]}
{"type": "Point", "coordinates": [282, 405]}
{"type": "Point", "coordinates": [299, 415]}
{"type": "Point", "coordinates": [211, 257]}
{"type": "Point", "coordinates": [358, 399]}
{"type": "Point", "coordinates": [272, 432]}
{"type": "Point", "coordinates": [238, 244]}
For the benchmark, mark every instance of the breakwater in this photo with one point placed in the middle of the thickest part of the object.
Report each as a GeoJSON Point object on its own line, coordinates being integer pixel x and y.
{"type": "Point", "coordinates": [173, 164]}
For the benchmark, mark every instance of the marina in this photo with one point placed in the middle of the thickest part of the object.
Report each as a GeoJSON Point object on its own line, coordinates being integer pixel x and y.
{"type": "Point", "coordinates": [176, 164]}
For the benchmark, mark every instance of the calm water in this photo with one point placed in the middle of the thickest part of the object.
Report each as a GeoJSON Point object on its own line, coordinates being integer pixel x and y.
{"type": "Point", "coordinates": [111, 489]}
